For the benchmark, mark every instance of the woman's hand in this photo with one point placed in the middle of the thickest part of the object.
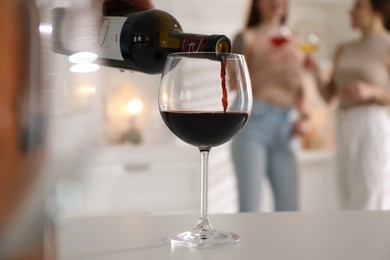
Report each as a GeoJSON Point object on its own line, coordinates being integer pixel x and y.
{"type": "Point", "coordinates": [301, 125]}
{"type": "Point", "coordinates": [311, 65]}
{"type": "Point", "coordinates": [359, 91]}
{"type": "Point", "coordinates": [122, 7]}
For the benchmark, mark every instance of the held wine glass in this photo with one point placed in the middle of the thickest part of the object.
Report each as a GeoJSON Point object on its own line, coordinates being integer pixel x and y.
{"type": "Point", "coordinates": [309, 43]}
{"type": "Point", "coordinates": [280, 36]}
{"type": "Point", "coordinates": [205, 99]}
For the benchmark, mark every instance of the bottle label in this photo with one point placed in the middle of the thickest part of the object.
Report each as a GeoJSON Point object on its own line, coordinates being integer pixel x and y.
{"type": "Point", "coordinates": [192, 43]}
{"type": "Point", "coordinates": [110, 37]}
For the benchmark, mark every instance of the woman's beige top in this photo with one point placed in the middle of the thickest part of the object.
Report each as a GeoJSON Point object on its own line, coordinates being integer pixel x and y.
{"type": "Point", "coordinates": [365, 60]}
{"type": "Point", "coordinates": [276, 72]}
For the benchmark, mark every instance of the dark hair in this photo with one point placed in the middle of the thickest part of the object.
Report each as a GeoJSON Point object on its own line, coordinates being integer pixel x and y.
{"type": "Point", "coordinates": [382, 7]}
{"type": "Point", "coordinates": [255, 16]}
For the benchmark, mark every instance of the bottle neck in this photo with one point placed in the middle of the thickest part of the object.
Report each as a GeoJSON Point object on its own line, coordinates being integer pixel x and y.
{"type": "Point", "coordinates": [202, 43]}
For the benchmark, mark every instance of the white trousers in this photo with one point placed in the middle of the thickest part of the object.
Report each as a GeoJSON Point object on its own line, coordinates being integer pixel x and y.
{"type": "Point", "coordinates": [363, 158]}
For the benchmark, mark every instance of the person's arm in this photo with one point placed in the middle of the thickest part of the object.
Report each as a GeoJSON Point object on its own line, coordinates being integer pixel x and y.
{"type": "Point", "coordinates": [361, 91]}
{"type": "Point", "coordinates": [327, 89]}
{"type": "Point", "coordinates": [382, 96]}
{"type": "Point", "coordinates": [300, 127]}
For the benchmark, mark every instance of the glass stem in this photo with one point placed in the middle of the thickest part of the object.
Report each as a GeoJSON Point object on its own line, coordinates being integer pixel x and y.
{"type": "Point", "coordinates": [204, 222]}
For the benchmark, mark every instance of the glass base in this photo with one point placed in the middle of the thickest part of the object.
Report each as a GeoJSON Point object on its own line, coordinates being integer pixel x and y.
{"type": "Point", "coordinates": [214, 239]}
{"type": "Point", "coordinates": [203, 235]}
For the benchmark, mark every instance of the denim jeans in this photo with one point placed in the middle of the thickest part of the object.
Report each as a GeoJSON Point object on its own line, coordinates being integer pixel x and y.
{"type": "Point", "coordinates": [263, 150]}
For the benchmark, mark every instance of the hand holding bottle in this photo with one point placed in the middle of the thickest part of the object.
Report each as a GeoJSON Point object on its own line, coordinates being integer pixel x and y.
{"type": "Point", "coordinates": [123, 7]}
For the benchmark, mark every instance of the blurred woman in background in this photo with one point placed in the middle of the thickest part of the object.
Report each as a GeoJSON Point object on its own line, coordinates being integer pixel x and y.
{"type": "Point", "coordinates": [361, 82]}
{"type": "Point", "coordinates": [263, 148]}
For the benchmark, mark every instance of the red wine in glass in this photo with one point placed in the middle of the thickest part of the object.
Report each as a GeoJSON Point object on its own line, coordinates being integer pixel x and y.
{"type": "Point", "coordinates": [279, 40]}
{"type": "Point", "coordinates": [280, 36]}
{"type": "Point", "coordinates": [193, 112]}
{"type": "Point", "coordinates": [204, 129]}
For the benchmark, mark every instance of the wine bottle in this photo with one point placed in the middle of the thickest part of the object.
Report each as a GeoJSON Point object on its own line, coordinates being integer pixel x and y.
{"type": "Point", "coordinates": [141, 41]}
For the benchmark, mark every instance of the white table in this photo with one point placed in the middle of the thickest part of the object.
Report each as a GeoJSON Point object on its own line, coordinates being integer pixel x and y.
{"type": "Point", "coordinates": [271, 236]}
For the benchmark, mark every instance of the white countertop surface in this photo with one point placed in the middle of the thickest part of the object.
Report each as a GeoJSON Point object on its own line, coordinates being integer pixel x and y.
{"type": "Point", "coordinates": [268, 236]}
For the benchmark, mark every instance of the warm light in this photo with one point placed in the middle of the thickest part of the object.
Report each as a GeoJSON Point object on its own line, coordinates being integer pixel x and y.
{"type": "Point", "coordinates": [84, 67]}
{"type": "Point", "coordinates": [45, 28]}
{"type": "Point", "coordinates": [134, 106]}
{"type": "Point", "coordinates": [86, 90]}
{"type": "Point", "coordinates": [83, 57]}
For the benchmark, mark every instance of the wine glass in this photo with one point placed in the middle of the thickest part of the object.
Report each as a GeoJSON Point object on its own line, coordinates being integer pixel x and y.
{"type": "Point", "coordinates": [205, 99]}
{"type": "Point", "coordinates": [309, 43]}
{"type": "Point", "coordinates": [280, 36]}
